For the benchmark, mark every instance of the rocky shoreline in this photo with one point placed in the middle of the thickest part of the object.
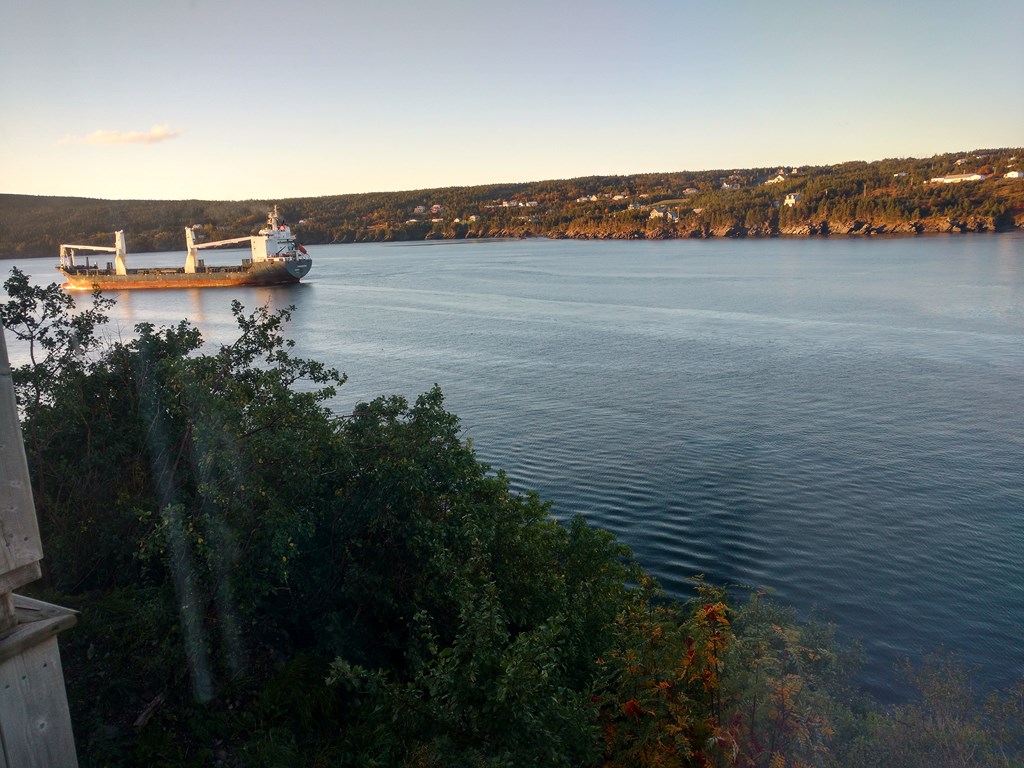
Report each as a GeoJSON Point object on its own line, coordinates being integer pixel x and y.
{"type": "Point", "coordinates": [822, 228]}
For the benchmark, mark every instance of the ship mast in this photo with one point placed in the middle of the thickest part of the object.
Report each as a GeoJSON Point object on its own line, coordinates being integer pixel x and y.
{"type": "Point", "coordinates": [67, 253]}
{"type": "Point", "coordinates": [191, 256]}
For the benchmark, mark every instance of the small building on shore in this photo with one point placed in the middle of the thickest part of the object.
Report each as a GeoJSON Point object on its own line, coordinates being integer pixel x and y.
{"type": "Point", "coordinates": [956, 178]}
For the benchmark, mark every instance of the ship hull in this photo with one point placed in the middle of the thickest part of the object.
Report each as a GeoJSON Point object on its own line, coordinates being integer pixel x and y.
{"type": "Point", "coordinates": [276, 272]}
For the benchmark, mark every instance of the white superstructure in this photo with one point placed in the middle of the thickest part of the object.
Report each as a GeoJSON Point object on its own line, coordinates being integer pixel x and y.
{"type": "Point", "coordinates": [275, 242]}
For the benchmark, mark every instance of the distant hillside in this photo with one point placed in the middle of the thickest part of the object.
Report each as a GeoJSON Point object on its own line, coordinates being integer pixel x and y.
{"type": "Point", "coordinates": [861, 198]}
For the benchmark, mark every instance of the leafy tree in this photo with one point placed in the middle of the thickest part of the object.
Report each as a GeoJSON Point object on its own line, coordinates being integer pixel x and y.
{"type": "Point", "coordinates": [154, 465]}
{"type": "Point", "coordinates": [58, 338]}
{"type": "Point", "coordinates": [59, 342]}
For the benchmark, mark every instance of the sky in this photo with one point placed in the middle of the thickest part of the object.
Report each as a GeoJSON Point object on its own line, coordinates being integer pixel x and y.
{"type": "Point", "coordinates": [248, 99]}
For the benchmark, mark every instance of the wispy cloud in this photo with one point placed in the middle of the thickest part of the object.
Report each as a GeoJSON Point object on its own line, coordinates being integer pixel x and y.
{"type": "Point", "coordinates": [154, 135]}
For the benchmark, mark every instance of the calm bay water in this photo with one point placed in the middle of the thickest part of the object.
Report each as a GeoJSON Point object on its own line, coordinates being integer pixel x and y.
{"type": "Point", "coordinates": [841, 421]}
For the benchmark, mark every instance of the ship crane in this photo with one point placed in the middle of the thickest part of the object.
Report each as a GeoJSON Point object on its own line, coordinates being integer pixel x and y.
{"type": "Point", "coordinates": [67, 253]}
{"type": "Point", "coordinates": [191, 258]}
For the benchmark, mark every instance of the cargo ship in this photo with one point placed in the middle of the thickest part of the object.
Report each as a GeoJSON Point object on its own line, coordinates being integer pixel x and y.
{"type": "Point", "coordinates": [277, 259]}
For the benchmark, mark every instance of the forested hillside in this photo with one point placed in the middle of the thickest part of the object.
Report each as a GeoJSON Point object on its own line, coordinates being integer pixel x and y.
{"type": "Point", "coordinates": [955, 192]}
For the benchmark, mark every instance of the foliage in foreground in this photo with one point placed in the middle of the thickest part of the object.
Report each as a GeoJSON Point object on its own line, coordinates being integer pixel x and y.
{"type": "Point", "coordinates": [264, 583]}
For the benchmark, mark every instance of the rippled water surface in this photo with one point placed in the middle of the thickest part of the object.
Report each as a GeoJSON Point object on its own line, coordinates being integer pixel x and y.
{"type": "Point", "coordinates": [839, 420]}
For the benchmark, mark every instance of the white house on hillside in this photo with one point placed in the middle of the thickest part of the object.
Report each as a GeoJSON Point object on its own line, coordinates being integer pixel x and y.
{"type": "Point", "coordinates": [663, 213]}
{"type": "Point", "coordinates": [956, 178]}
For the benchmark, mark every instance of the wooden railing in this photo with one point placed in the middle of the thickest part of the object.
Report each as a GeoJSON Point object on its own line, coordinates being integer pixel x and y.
{"type": "Point", "coordinates": [35, 725]}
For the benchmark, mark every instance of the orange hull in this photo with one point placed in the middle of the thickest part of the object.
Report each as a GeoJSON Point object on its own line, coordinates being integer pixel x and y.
{"type": "Point", "coordinates": [256, 274]}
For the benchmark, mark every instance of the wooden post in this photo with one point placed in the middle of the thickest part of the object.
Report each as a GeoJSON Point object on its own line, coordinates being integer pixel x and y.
{"type": "Point", "coordinates": [20, 548]}
{"type": "Point", "coordinates": [35, 725]}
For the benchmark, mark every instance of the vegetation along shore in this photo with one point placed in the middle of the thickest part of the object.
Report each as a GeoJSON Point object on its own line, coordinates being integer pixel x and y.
{"type": "Point", "coordinates": [263, 582]}
{"type": "Point", "coordinates": [975, 191]}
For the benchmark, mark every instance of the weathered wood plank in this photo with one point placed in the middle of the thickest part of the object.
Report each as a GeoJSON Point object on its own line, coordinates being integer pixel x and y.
{"type": "Point", "coordinates": [19, 532]}
{"type": "Point", "coordinates": [19, 577]}
{"type": "Point", "coordinates": [8, 618]}
{"type": "Point", "coordinates": [30, 609]}
{"type": "Point", "coordinates": [35, 725]}
{"type": "Point", "coordinates": [34, 629]}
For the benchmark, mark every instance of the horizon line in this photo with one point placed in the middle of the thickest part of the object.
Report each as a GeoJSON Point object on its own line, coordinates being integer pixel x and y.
{"type": "Point", "coordinates": [499, 183]}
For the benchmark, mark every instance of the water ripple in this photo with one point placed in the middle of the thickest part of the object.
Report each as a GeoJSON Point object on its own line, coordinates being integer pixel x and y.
{"type": "Point", "coordinates": [841, 422]}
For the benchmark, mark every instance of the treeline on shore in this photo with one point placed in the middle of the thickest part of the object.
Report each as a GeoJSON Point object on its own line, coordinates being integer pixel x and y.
{"type": "Point", "coordinates": [856, 198]}
{"type": "Point", "coordinates": [263, 582]}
